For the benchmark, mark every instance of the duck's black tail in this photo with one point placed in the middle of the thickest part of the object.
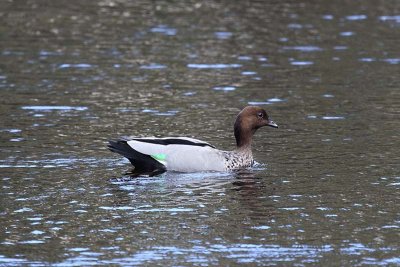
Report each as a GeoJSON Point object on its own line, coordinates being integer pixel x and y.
{"type": "Point", "coordinates": [143, 163]}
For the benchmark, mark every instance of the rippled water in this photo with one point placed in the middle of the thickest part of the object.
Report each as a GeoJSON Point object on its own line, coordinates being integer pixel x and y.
{"type": "Point", "coordinates": [73, 75]}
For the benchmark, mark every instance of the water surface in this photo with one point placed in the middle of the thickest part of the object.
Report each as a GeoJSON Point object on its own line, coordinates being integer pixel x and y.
{"type": "Point", "coordinates": [75, 74]}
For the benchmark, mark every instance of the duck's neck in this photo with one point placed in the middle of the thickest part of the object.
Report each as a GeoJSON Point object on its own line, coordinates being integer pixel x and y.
{"type": "Point", "coordinates": [243, 137]}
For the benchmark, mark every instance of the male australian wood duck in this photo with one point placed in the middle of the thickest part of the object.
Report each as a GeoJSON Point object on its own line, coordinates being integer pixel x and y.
{"type": "Point", "coordinates": [156, 155]}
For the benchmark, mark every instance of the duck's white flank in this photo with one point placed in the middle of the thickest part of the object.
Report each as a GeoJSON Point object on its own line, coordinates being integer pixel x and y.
{"type": "Point", "coordinates": [182, 157]}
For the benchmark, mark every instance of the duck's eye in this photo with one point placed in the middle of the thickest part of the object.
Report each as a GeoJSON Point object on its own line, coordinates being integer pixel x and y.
{"type": "Point", "coordinates": [260, 115]}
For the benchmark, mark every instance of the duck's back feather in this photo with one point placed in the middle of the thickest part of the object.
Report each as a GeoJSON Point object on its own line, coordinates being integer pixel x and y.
{"type": "Point", "coordinates": [173, 141]}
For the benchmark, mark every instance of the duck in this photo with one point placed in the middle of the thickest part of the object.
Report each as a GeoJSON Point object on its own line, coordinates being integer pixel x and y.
{"type": "Point", "coordinates": [150, 155]}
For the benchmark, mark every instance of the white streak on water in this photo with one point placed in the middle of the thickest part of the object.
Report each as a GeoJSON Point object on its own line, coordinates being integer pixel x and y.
{"type": "Point", "coordinates": [395, 18]}
{"type": "Point", "coordinates": [213, 66]}
{"type": "Point", "coordinates": [356, 17]}
{"type": "Point", "coordinates": [48, 108]}
{"type": "Point", "coordinates": [333, 118]}
{"type": "Point", "coordinates": [301, 63]}
{"type": "Point", "coordinates": [79, 66]}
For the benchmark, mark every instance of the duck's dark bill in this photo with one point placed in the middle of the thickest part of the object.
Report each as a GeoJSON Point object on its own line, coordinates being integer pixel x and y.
{"type": "Point", "coordinates": [272, 124]}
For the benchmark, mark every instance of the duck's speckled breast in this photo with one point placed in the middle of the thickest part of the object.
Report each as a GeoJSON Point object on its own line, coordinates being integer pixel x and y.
{"type": "Point", "coordinates": [238, 159]}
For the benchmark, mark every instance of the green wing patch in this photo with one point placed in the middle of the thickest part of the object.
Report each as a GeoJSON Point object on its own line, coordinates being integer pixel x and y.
{"type": "Point", "coordinates": [159, 157]}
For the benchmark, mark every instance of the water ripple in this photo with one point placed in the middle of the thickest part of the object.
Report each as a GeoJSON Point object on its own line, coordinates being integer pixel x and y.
{"type": "Point", "coordinates": [224, 88]}
{"type": "Point", "coordinates": [164, 29]}
{"type": "Point", "coordinates": [223, 35]}
{"type": "Point", "coordinates": [356, 17]}
{"type": "Point", "coordinates": [333, 117]}
{"type": "Point", "coordinates": [153, 66]}
{"type": "Point", "coordinates": [303, 48]}
{"type": "Point", "coordinates": [346, 34]}
{"type": "Point", "coordinates": [392, 60]}
{"type": "Point", "coordinates": [50, 108]}
{"type": "Point", "coordinates": [302, 63]}
{"type": "Point", "coordinates": [395, 18]}
{"type": "Point", "coordinates": [213, 66]}
{"type": "Point", "coordinates": [80, 66]}
{"type": "Point", "coordinates": [328, 17]}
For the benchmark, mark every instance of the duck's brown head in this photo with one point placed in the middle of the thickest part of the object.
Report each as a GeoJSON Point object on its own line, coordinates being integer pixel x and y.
{"type": "Point", "coordinates": [247, 122]}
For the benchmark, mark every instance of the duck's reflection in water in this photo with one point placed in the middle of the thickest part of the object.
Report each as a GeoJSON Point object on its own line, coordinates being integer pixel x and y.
{"type": "Point", "coordinates": [242, 192]}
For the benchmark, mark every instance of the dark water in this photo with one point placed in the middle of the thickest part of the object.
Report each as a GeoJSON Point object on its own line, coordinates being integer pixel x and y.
{"type": "Point", "coordinates": [76, 73]}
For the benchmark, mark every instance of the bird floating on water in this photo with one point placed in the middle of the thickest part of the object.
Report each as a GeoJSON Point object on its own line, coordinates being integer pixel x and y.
{"type": "Point", "coordinates": [150, 155]}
